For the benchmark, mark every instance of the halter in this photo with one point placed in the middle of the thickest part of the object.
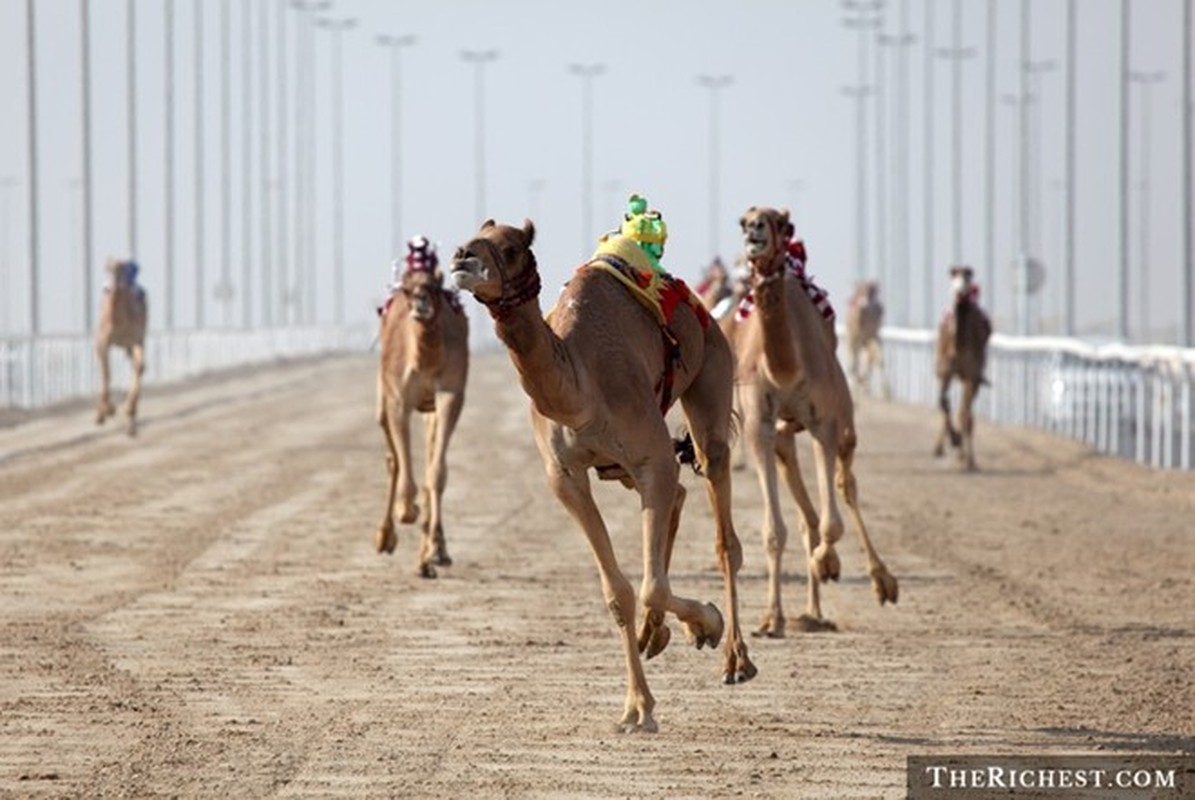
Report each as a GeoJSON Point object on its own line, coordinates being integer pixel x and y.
{"type": "Point", "coordinates": [522, 289]}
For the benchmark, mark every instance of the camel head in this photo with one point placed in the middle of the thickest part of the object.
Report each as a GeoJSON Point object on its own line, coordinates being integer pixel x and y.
{"type": "Point", "coordinates": [866, 293]}
{"type": "Point", "coordinates": [962, 281]}
{"type": "Point", "coordinates": [498, 267]}
{"type": "Point", "coordinates": [122, 273]}
{"type": "Point", "coordinates": [422, 290]}
{"type": "Point", "coordinates": [766, 234]}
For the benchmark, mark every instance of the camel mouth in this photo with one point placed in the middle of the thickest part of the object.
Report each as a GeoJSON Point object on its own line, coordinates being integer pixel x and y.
{"type": "Point", "coordinates": [756, 242]}
{"type": "Point", "coordinates": [468, 272]}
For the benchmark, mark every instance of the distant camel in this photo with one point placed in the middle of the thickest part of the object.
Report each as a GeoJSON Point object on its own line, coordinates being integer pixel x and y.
{"type": "Point", "coordinates": [122, 321]}
{"type": "Point", "coordinates": [790, 380]}
{"type": "Point", "coordinates": [424, 366]}
{"type": "Point", "coordinates": [864, 318]}
{"type": "Point", "coordinates": [963, 337]}
{"type": "Point", "coordinates": [601, 371]}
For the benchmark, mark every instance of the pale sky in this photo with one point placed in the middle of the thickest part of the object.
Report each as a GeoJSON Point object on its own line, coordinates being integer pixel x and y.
{"type": "Point", "coordinates": [787, 138]}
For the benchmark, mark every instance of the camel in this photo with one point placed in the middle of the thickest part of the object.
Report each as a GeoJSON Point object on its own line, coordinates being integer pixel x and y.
{"type": "Point", "coordinates": [790, 380]}
{"type": "Point", "coordinates": [122, 321]}
{"type": "Point", "coordinates": [601, 371]}
{"type": "Point", "coordinates": [961, 353]}
{"type": "Point", "coordinates": [424, 367]}
{"type": "Point", "coordinates": [864, 317]}
{"type": "Point", "coordinates": [715, 284]}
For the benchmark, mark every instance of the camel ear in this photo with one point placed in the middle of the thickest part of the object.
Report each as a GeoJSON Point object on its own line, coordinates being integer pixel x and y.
{"type": "Point", "coordinates": [489, 223]}
{"type": "Point", "coordinates": [529, 231]}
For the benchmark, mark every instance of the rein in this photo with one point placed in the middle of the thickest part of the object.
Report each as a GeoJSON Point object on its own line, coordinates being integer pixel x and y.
{"type": "Point", "coordinates": [524, 288]}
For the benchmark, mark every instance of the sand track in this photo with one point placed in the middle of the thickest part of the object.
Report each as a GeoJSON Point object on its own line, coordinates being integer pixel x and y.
{"type": "Point", "coordinates": [199, 612]}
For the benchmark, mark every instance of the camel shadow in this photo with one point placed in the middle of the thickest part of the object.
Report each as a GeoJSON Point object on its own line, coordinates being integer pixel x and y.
{"type": "Point", "coordinates": [1121, 741]}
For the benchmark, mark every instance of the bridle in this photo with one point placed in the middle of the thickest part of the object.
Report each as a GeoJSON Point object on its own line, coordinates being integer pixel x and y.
{"type": "Point", "coordinates": [524, 288]}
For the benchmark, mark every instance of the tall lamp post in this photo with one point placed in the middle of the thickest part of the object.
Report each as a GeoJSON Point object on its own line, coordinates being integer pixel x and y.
{"type": "Point", "coordinates": [479, 58]}
{"type": "Point", "coordinates": [1145, 80]}
{"type": "Point", "coordinates": [131, 45]}
{"type": "Point", "coordinates": [302, 293]}
{"type": "Point", "coordinates": [714, 83]}
{"type": "Point", "coordinates": [900, 295]}
{"type": "Point", "coordinates": [1187, 204]}
{"type": "Point", "coordinates": [34, 277]}
{"type": "Point", "coordinates": [864, 24]}
{"type": "Point", "coordinates": [395, 44]}
{"type": "Point", "coordinates": [956, 55]}
{"type": "Point", "coordinates": [586, 72]}
{"type": "Point", "coordinates": [85, 83]}
{"type": "Point", "coordinates": [337, 27]}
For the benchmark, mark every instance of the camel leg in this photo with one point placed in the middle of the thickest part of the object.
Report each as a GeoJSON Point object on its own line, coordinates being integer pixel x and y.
{"type": "Point", "coordinates": [761, 434]}
{"type": "Point", "coordinates": [786, 454]}
{"type": "Point", "coordinates": [877, 358]}
{"type": "Point", "coordinates": [398, 417]}
{"type": "Point", "coordinates": [707, 406]}
{"type": "Point", "coordinates": [104, 408]}
{"type": "Point", "coordinates": [966, 421]}
{"type": "Point", "coordinates": [883, 584]}
{"type": "Point", "coordinates": [825, 564]}
{"type": "Point", "coordinates": [137, 355]}
{"type": "Point", "coordinates": [948, 430]}
{"type": "Point", "coordinates": [573, 491]}
{"type": "Point", "coordinates": [385, 540]}
{"type": "Point", "coordinates": [443, 423]}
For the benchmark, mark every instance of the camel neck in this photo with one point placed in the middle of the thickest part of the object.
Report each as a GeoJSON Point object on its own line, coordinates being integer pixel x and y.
{"type": "Point", "coordinates": [544, 364]}
{"type": "Point", "coordinates": [779, 330]}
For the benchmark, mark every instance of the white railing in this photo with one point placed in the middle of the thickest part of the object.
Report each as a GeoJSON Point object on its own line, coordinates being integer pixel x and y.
{"type": "Point", "coordinates": [41, 371]}
{"type": "Point", "coordinates": [1132, 402]}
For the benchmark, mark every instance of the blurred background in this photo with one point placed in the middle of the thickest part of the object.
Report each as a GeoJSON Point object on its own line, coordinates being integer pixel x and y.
{"type": "Point", "coordinates": [264, 160]}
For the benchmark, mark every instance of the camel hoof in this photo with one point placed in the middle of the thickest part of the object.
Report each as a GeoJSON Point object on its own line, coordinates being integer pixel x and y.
{"type": "Point", "coordinates": [740, 675]}
{"type": "Point", "coordinates": [939, 450]}
{"type": "Point", "coordinates": [826, 565]}
{"type": "Point", "coordinates": [385, 540]}
{"type": "Point", "coordinates": [441, 558]}
{"type": "Point", "coordinates": [884, 584]}
{"type": "Point", "coordinates": [806, 623]}
{"type": "Point", "coordinates": [409, 515]}
{"type": "Point", "coordinates": [425, 570]}
{"type": "Point", "coordinates": [659, 639]}
{"type": "Point", "coordinates": [709, 633]}
{"type": "Point", "coordinates": [772, 627]}
{"type": "Point", "coordinates": [645, 725]}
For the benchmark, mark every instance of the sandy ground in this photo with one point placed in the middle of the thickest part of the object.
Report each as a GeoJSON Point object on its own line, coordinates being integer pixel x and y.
{"type": "Point", "coordinates": [199, 612]}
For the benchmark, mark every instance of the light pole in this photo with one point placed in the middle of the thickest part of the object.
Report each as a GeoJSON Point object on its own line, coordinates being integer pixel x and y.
{"type": "Point", "coordinates": [131, 45]}
{"type": "Point", "coordinates": [903, 40]}
{"type": "Point", "coordinates": [927, 221]}
{"type": "Point", "coordinates": [267, 256]}
{"type": "Point", "coordinates": [224, 290]}
{"type": "Point", "coordinates": [1036, 70]}
{"type": "Point", "coordinates": [1122, 270]}
{"type": "Point", "coordinates": [246, 171]}
{"type": "Point", "coordinates": [989, 161]}
{"type": "Point", "coordinates": [282, 286]}
{"type": "Point", "coordinates": [1146, 80]}
{"type": "Point", "coordinates": [956, 55]}
{"type": "Point", "coordinates": [1018, 203]}
{"type": "Point", "coordinates": [168, 200]}
{"type": "Point", "coordinates": [586, 72]}
{"type": "Point", "coordinates": [303, 291]}
{"type": "Point", "coordinates": [34, 277]}
{"type": "Point", "coordinates": [85, 84]}
{"type": "Point", "coordinates": [337, 27]}
{"type": "Point", "coordinates": [1187, 203]}
{"type": "Point", "coordinates": [1068, 254]}
{"type": "Point", "coordinates": [395, 45]}
{"type": "Point", "coordinates": [714, 83]}
{"type": "Point", "coordinates": [479, 58]}
{"type": "Point", "coordinates": [860, 92]}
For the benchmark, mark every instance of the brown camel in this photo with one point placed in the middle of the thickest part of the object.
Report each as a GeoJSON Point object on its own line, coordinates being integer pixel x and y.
{"type": "Point", "coordinates": [122, 321]}
{"type": "Point", "coordinates": [715, 284]}
{"type": "Point", "coordinates": [424, 366]}
{"type": "Point", "coordinates": [864, 318]}
{"type": "Point", "coordinates": [961, 353]}
{"type": "Point", "coordinates": [790, 380]}
{"type": "Point", "coordinates": [600, 371]}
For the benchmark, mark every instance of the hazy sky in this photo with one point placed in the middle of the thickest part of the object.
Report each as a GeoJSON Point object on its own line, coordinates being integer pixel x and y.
{"type": "Point", "coordinates": [787, 138]}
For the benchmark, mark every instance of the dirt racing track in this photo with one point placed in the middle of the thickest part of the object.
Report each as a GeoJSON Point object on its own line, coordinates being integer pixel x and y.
{"type": "Point", "coordinates": [199, 612]}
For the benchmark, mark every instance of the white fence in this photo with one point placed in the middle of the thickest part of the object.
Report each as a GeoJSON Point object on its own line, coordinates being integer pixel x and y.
{"type": "Point", "coordinates": [37, 372]}
{"type": "Point", "coordinates": [1132, 402]}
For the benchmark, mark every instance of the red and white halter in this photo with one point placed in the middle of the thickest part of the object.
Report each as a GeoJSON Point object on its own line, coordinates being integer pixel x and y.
{"type": "Point", "coordinates": [794, 262]}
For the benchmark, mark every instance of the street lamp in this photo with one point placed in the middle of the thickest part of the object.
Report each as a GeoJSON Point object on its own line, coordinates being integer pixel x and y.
{"type": "Point", "coordinates": [85, 81]}
{"type": "Point", "coordinates": [303, 292]}
{"type": "Point", "coordinates": [337, 27]}
{"type": "Point", "coordinates": [395, 45]}
{"type": "Point", "coordinates": [34, 277]}
{"type": "Point", "coordinates": [956, 55]}
{"type": "Point", "coordinates": [479, 58]}
{"type": "Point", "coordinates": [903, 40]}
{"type": "Point", "coordinates": [586, 72]}
{"type": "Point", "coordinates": [1146, 80]}
{"type": "Point", "coordinates": [714, 83]}
{"type": "Point", "coordinates": [864, 24]}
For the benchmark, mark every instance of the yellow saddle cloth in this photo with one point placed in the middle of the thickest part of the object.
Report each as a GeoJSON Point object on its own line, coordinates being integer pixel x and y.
{"type": "Point", "coordinates": [653, 287]}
